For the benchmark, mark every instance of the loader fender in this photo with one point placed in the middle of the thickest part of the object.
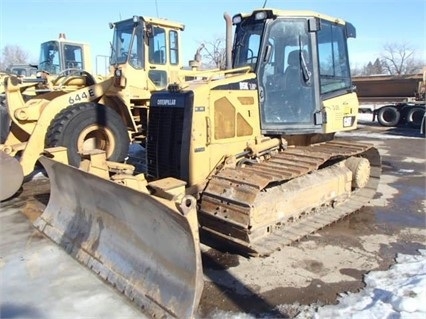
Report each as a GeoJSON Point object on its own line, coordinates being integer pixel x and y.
{"type": "Point", "coordinates": [146, 247]}
{"type": "Point", "coordinates": [35, 144]}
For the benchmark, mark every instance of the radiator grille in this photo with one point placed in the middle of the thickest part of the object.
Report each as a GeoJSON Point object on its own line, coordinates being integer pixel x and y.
{"type": "Point", "coordinates": [168, 135]}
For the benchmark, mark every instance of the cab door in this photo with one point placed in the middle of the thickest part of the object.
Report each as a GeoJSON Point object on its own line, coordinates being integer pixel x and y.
{"type": "Point", "coordinates": [163, 56]}
{"type": "Point", "coordinates": [286, 82]}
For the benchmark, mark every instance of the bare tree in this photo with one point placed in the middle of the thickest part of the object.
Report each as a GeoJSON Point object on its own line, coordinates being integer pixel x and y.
{"type": "Point", "coordinates": [400, 59]}
{"type": "Point", "coordinates": [13, 54]}
{"type": "Point", "coordinates": [373, 68]}
{"type": "Point", "coordinates": [215, 54]}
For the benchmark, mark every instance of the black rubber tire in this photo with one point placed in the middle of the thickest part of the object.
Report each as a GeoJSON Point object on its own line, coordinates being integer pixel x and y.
{"type": "Point", "coordinates": [89, 122]}
{"type": "Point", "coordinates": [4, 120]}
{"type": "Point", "coordinates": [388, 116]}
{"type": "Point", "coordinates": [415, 117]}
{"type": "Point", "coordinates": [423, 127]}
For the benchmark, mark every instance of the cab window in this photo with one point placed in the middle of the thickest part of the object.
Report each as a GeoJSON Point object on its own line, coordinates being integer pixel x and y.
{"type": "Point", "coordinates": [174, 47]}
{"type": "Point", "coordinates": [157, 46]}
{"type": "Point", "coordinates": [73, 57]}
{"type": "Point", "coordinates": [333, 58]}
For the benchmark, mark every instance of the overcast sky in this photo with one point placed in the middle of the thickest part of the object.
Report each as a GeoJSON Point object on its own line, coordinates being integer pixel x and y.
{"type": "Point", "coordinates": [27, 23]}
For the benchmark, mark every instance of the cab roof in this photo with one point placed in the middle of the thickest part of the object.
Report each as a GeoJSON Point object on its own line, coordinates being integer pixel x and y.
{"type": "Point", "coordinates": [296, 13]}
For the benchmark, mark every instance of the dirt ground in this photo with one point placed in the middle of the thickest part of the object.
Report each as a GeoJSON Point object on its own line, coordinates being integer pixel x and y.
{"type": "Point", "coordinates": [333, 260]}
{"type": "Point", "coordinates": [314, 270]}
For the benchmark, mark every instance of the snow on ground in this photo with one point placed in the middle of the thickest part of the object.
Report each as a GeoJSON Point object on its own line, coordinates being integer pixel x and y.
{"type": "Point", "coordinates": [399, 292]}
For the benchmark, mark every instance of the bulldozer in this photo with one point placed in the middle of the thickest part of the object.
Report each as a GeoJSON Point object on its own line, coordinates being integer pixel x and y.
{"type": "Point", "coordinates": [245, 160]}
{"type": "Point", "coordinates": [73, 110]}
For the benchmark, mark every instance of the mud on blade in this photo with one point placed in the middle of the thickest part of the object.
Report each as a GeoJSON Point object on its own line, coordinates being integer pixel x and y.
{"type": "Point", "coordinates": [143, 245]}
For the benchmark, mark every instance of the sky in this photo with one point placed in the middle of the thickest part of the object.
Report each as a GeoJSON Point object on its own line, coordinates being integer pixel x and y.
{"type": "Point", "coordinates": [27, 23]}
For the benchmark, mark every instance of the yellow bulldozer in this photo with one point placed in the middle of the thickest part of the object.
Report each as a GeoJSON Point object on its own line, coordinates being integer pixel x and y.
{"type": "Point", "coordinates": [245, 159]}
{"type": "Point", "coordinates": [73, 109]}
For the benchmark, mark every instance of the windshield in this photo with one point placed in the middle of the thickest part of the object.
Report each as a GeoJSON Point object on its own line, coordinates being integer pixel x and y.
{"type": "Point", "coordinates": [127, 45]}
{"type": "Point", "coordinates": [50, 60]}
{"type": "Point", "coordinates": [247, 43]}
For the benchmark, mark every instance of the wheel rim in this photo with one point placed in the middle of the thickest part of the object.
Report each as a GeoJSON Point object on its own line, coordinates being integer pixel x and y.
{"type": "Point", "coordinates": [389, 115]}
{"type": "Point", "coordinates": [417, 116]}
{"type": "Point", "coordinates": [96, 137]}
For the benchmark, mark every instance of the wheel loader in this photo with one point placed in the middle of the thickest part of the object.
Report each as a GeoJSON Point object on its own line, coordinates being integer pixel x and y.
{"type": "Point", "coordinates": [58, 59]}
{"type": "Point", "coordinates": [145, 56]}
{"type": "Point", "coordinates": [245, 160]}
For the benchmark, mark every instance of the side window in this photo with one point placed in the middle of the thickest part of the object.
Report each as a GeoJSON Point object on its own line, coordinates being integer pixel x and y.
{"type": "Point", "coordinates": [73, 57]}
{"type": "Point", "coordinates": [174, 47]}
{"type": "Point", "coordinates": [253, 48]}
{"type": "Point", "coordinates": [333, 58]}
{"type": "Point", "coordinates": [157, 46]}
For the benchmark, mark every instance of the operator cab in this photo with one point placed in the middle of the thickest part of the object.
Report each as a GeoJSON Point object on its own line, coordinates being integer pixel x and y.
{"type": "Point", "coordinates": [56, 56]}
{"type": "Point", "coordinates": [300, 61]}
{"type": "Point", "coordinates": [146, 44]}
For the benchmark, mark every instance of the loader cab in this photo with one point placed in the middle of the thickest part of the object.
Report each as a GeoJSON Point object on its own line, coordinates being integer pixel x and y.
{"type": "Point", "coordinates": [147, 48]}
{"type": "Point", "coordinates": [301, 61]}
{"type": "Point", "coordinates": [59, 55]}
{"type": "Point", "coordinates": [22, 70]}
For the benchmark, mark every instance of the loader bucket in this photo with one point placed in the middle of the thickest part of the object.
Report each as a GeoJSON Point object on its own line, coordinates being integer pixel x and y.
{"type": "Point", "coordinates": [11, 175]}
{"type": "Point", "coordinates": [146, 247]}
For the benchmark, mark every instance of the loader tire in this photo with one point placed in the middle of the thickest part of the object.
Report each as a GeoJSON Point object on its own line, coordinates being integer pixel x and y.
{"type": "Point", "coordinates": [388, 116]}
{"type": "Point", "coordinates": [415, 117]}
{"type": "Point", "coordinates": [4, 121]}
{"type": "Point", "coordinates": [87, 126]}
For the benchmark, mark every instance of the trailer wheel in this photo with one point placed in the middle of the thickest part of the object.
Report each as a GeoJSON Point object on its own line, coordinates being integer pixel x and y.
{"type": "Point", "coordinates": [423, 126]}
{"type": "Point", "coordinates": [87, 126]}
{"type": "Point", "coordinates": [415, 117]}
{"type": "Point", "coordinates": [388, 116]}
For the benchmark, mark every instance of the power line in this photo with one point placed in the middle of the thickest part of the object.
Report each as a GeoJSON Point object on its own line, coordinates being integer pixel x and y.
{"type": "Point", "coordinates": [156, 8]}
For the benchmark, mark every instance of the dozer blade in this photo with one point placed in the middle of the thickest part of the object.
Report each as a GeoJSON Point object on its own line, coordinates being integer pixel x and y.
{"type": "Point", "coordinates": [11, 175]}
{"type": "Point", "coordinates": [146, 247]}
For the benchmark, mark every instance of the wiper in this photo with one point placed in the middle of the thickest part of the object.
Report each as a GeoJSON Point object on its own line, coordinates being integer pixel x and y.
{"type": "Point", "coordinates": [113, 53]}
{"type": "Point", "coordinates": [305, 71]}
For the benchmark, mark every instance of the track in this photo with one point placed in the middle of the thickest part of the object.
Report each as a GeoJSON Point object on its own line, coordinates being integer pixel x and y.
{"type": "Point", "coordinates": [228, 204]}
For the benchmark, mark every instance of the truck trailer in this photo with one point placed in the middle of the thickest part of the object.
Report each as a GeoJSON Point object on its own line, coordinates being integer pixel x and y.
{"type": "Point", "coordinates": [393, 100]}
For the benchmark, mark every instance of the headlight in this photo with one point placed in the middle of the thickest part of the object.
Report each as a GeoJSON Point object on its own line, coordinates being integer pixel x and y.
{"type": "Point", "coordinates": [261, 15]}
{"type": "Point", "coordinates": [236, 19]}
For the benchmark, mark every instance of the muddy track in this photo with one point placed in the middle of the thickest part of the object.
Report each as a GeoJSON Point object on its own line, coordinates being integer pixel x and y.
{"type": "Point", "coordinates": [230, 197]}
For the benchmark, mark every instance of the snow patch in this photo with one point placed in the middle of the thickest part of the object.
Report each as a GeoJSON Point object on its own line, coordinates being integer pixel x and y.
{"type": "Point", "coordinates": [399, 292]}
